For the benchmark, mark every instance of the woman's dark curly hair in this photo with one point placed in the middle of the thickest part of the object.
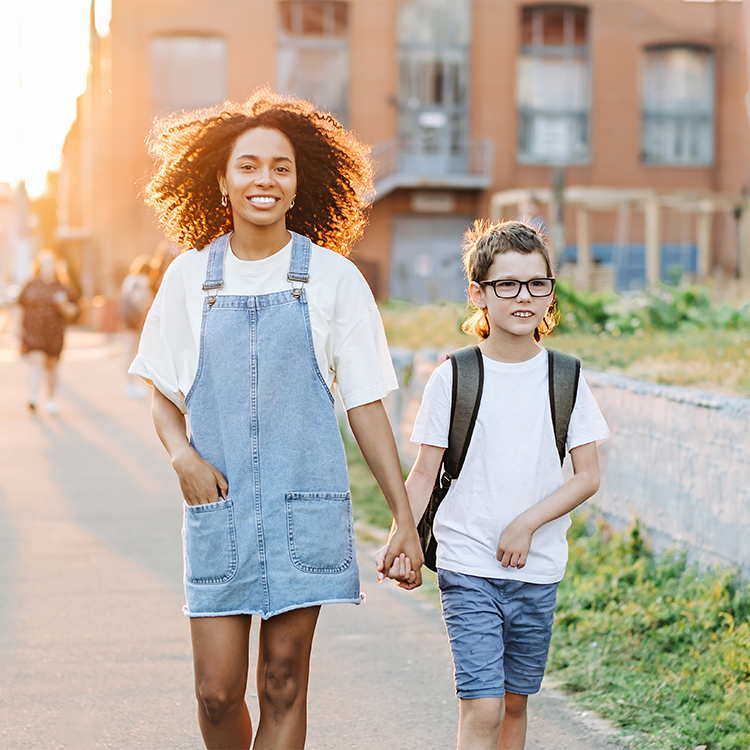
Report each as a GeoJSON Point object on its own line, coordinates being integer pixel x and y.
{"type": "Point", "coordinates": [334, 171]}
{"type": "Point", "coordinates": [481, 244]}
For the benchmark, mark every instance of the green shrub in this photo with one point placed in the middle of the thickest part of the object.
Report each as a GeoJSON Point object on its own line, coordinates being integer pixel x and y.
{"type": "Point", "coordinates": [666, 308]}
{"type": "Point", "coordinates": [653, 643]}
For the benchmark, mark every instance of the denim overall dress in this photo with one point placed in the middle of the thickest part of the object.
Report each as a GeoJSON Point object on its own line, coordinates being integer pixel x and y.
{"type": "Point", "coordinates": [261, 412]}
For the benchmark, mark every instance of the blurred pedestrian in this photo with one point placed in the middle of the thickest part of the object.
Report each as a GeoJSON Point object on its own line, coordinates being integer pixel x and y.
{"type": "Point", "coordinates": [248, 333]}
{"type": "Point", "coordinates": [135, 299]}
{"type": "Point", "coordinates": [165, 253]}
{"type": "Point", "coordinates": [49, 303]}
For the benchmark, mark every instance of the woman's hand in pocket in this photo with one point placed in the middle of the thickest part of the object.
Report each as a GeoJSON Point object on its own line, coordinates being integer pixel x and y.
{"type": "Point", "coordinates": [200, 481]}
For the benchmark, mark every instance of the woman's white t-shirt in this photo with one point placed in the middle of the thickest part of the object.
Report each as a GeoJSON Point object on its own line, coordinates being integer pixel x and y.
{"type": "Point", "coordinates": [348, 337]}
{"type": "Point", "coordinates": [512, 464]}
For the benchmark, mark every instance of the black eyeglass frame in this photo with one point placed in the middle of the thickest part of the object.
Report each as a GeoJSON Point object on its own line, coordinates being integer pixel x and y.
{"type": "Point", "coordinates": [521, 285]}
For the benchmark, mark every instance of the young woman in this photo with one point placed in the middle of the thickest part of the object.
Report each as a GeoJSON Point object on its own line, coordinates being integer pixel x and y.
{"type": "Point", "coordinates": [247, 335]}
{"type": "Point", "coordinates": [49, 303]}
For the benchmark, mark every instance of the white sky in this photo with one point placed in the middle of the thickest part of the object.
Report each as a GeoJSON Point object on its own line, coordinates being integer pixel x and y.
{"type": "Point", "coordinates": [40, 78]}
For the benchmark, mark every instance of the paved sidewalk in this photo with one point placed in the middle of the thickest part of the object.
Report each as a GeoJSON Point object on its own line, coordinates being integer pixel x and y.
{"type": "Point", "coordinates": [94, 650]}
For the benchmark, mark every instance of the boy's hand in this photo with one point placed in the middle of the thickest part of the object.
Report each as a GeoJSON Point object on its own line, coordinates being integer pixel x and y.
{"type": "Point", "coordinates": [400, 571]}
{"type": "Point", "coordinates": [514, 545]}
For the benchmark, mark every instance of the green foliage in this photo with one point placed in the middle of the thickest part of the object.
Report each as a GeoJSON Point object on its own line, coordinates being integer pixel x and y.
{"type": "Point", "coordinates": [666, 308]}
{"type": "Point", "coordinates": [368, 502]}
{"type": "Point", "coordinates": [653, 643]}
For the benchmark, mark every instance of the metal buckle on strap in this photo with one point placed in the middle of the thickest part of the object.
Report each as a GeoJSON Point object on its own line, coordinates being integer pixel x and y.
{"type": "Point", "coordinates": [297, 290]}
{"type": "Point", "coordinates": [211, 289]}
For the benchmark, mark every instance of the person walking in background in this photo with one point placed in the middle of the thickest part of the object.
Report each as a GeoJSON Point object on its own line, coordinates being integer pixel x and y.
{"type": "Point", "coordinates": [135, 299]}
{"type": "Point", "coordinates": [247, 335]}
{"type": "Point", "coordinates": [48, 302]}
{"type": "Point", "coordinates": [501, 528]}
{"type": "Point", "coordinates": [165, 253]}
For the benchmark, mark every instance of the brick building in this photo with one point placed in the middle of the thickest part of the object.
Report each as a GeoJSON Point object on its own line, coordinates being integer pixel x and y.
{"type": "Point", "coordinates": [462, 100]}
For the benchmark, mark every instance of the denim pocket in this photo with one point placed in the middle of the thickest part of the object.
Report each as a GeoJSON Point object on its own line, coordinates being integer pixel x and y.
{"type": "Point", "coordinates": [210, 542]}
{"type": "Point", "coordinates": [320, 531]}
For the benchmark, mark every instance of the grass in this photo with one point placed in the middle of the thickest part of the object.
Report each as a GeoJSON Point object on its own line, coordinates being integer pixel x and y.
{"type": "Point", "coordinates": [653, 644]}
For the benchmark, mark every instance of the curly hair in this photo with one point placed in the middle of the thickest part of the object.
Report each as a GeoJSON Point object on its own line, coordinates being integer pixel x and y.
{"type": "Point", "coordinates": [482, 242]}
{"type": "Point", "coordinates": [334, 171]}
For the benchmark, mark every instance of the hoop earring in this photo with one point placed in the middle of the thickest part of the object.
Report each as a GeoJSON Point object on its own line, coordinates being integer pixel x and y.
{"type": "Point", "coordinates": [291, 205]}
{"type": "Point", "coordinates": [224, 200]}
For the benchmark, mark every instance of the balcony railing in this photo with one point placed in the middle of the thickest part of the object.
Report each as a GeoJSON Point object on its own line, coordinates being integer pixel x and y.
{"type": "Point", "coordinates": [399, 165]}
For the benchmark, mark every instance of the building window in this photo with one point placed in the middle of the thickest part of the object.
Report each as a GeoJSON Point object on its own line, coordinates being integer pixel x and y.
{"type": "Point", "coordinates": [554, 85]}
{"type": "Point", "coordinates": [187, 72]}
{"type": "Point", "coordinates": [313, 54]}
{"type": "Point", "coordinates": [677, 102]}
{"type": "Point", "coordinates": [434, 37]}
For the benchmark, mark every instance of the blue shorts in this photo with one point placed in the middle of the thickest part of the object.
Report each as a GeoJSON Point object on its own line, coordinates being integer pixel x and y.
{"type": "Point", "coordinates": [499, 631]}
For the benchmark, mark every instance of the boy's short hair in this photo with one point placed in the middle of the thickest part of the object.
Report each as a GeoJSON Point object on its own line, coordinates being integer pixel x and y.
{"type": "Point", "coordinates": [482, 242]}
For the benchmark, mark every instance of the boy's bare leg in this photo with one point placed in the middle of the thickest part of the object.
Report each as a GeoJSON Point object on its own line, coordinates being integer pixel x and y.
{"type": "Point", "coordinates": [220, 657]}
{"type": "Point", "coordinates": [513, 732]}
{"type": "Point", "coordinates": [479, 723]}
{"type": "Point", "coordinates": [283, 672]}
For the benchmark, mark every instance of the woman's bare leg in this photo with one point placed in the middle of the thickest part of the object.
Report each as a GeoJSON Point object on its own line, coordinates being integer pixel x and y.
{"type": "Point", "coordinates": [283, 672]}
{"type": "Point", "coordinates": [220, 658]}
{"type": "Point", "coordinates": [35, 360]}
{"type": "Point", "coordinates": [50, 364]}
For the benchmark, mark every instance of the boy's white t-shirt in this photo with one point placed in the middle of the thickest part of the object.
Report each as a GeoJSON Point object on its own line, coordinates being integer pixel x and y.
{"type": "Point", "coordinates": [347, 331]}
{"type": "Point", "coordinates": [512, 463]}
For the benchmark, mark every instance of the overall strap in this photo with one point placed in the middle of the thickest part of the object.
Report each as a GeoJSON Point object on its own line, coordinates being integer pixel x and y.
{"type": "Point", "coordinates": [215, 269]}
{"type": "Point", "coordinates": [468, 381]}
{"type": "Point", "coordinates": [564, 373]}
{"type": "Point", "coordinates": [298, 268]}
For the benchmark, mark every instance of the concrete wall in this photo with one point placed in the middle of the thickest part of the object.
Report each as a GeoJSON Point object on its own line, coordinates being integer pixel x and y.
{"type": "Point", "coordinates": [679, 459]}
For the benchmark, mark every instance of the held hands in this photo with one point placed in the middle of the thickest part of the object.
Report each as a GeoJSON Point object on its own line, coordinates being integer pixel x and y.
{"type": "Point", "coordinates": [394, 560]}
{"type": "Point", "coordinates": [200, 482]}
{"type": "Point", "coordinates": [514, 545]}
{"type": "Point", "coordinates": [400, 571]}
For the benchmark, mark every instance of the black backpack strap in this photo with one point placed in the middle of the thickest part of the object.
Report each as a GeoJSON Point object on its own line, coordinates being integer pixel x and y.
{"type": "Point", "coordinates": [468, 380]}
{"type": "Point", "coordinates": [564, 373]}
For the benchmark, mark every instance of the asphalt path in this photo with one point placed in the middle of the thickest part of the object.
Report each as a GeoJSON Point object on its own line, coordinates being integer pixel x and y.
{"type": "Point", "coordinates": [94, 649]}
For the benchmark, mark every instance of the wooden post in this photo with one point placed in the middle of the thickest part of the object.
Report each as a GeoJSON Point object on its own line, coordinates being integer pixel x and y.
{"type": "Point", "coordinates": [583, 241]}
{"type": "Point", "coordinates": [703, 240]}
{"type": "Point", "coordinates": [744, 243]}
{"type": "Point", "coordinates": [653, 240]}
{"type": "Point", "coordinates": [557, 212]}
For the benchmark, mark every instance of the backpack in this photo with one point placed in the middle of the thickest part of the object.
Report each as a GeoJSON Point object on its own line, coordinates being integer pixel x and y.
{"type": "Point", "coordinates": [468, 381]}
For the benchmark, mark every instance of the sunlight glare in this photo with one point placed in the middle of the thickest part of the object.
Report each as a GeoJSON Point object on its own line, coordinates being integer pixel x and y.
{"type": "Point", "coordinates": [40, 77]}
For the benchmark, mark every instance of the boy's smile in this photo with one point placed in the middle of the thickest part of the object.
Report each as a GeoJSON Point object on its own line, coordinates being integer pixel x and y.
{"type": "Point", "coordinates": [513, 319]}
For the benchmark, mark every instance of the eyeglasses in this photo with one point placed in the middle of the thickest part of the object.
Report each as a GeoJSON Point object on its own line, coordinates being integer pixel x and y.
{"type": "Point", "coordinates": [510, 288]}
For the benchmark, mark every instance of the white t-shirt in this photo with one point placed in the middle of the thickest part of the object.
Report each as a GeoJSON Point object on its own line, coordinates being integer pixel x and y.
{"type": "Point", "coordinates": [512, 463]}
{"type": "Point", "coordinates": [347, 331]}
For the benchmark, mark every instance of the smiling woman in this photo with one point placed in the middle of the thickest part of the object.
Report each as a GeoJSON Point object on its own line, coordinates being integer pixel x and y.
{"type": "Point", "coordinates": [334, 173]}
{"type": "Point", "coordinates": [249, 334]}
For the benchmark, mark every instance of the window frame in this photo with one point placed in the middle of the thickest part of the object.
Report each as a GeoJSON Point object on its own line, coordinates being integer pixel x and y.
{"type": "Point", "coordinates": [292, 43]}
{"type": "Point", "coordinates": [685, 118]}
{"type": "Point", "coordinates": [579, 116]}
{"type": "Point", "coordinates": [159, 107]}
